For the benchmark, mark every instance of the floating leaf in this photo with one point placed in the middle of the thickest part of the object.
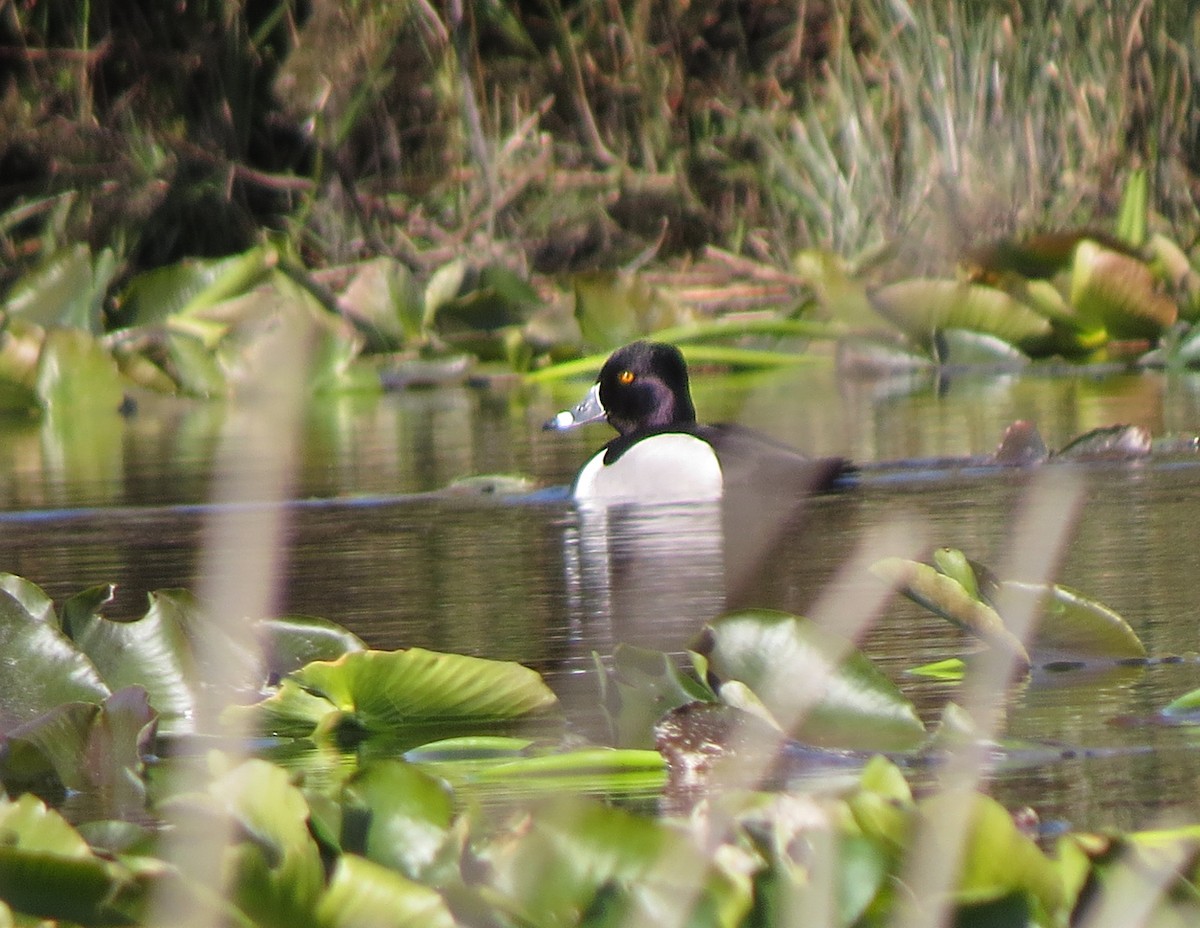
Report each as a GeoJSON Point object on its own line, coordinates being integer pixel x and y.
{"type": "Point", "coordinates": [948, 598]}
{"type": "Point", "coordinates": [383, 301]}
{"type": "Point", "coordinates": [613, 309]}
{"type": "Point", "coordinates": [20, 346]}
{"type": "Point", "coordinates": [381, 691]}
{"type": "Point", "coordinates": [1119, 292]}
{"type": "Point", "coordinates": [952, 669]}
{"type": "Point", "coordinates": [77, 375]}
{"type": "Point", "coordinates": [291, 642]}
{"type": "Point", "coordinates": [192, 285]}
{"type": "Point", "coordinates": [48, 871]}
{"type": "Point", "coordinates": [152, 653]}
{"type": "Point", "coordinates": [275, 872]}
{"type": "Point", "coordinates": [963, 348]}
{"type": "Point", "coordinates": [1185, 707]}
{"type": "Point", "coordinates": [43, 669]}
{"type": "Point", "coordinates": [364, 893]}
{"type": "Point", "coordinates": [998, 858]}
{"type": "Point", "coordinates": [921, 307]}
{"type": "Point", "coordinates": [648, 685]}
{"type": "Point", "coordinates": [781, 657]}
{"type": "Point", "coordinates": [1073, 626]}
{"type": "Point", "coordinates": [66, 290]}
{"type": "Point", "coordinates": [578, 856]}
{"type": "Point", "coordinates": [406, 816]}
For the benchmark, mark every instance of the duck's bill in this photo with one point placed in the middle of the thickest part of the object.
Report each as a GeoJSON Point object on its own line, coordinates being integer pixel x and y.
{"type": "Point", "coordinates": [590, 410]}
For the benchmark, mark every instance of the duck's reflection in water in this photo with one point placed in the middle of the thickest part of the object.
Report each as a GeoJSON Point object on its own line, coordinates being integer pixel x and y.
{"type": "Point", "coordinates": [652, 575]}
{"type": "Point", "coordinates": [648, 575]}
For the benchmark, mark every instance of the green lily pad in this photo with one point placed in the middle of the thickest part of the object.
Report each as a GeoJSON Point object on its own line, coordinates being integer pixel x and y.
{"type": "Point", "coordinates": [647, 685]}
{"type": "Point", "coordinates": [152, 652]}
{"type": "Point", "coordinates": [947, 597]}
{"type": "Point", "coordinates": [998, 860]}
{"type": "Point", "coordinates": [388, 691]}
{"type": "Point", "coordinates": [1119, 292]}
{"type": "Point", "coordinates": [403, 816]}
{"type": "Point", "coordinates": [579, 856]}
{"type": "Point", "coordinates": [921, 307]}
{"type": "Point", "coordinates": [1072, 626]}
{"type": "Point", "coordinates": [290, 642]}
{"type": "Point", "coordinates": [76, 374]}
{"type": "Point", "coordinates": [44, 669]}
{"type": "Point", "coordinates": [361, 892]}
{"type": "Point", "coordinates": [48, 871]}
{"type": "Point", "coordinates": [192, 286]}
{"type": "Point", "coordinates": [613, 309]}
{"type": "Point", "coordinates": [66, 290]}
{"type": "Point", "coordinates": [773, 653]}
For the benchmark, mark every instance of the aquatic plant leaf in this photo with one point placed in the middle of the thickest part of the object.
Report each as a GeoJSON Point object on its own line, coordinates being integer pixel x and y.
{"type": "Point", "coordinates": [152, 652]}
{"type": "Point", "coordinates": [361, 893]}
{"type": "Point", "coordinates": [400, 815]}
{"type": "Point", "coordinates": [275, 873]}
{"type": "Point", "coordinates": [97, 750]}
{"type": "Point", "coordinates": [615, 308]}
{"type": "Point", "coordinates": [840, 294]}
{"type": "Point", "coordinates": [1073, 626]}
{"type": "Point", "coordinates": [290, 642]}
{"type": "Point", "coordinates": [792, 664]}
{"type": "Point", "coordinates": [948, 598]}
{"type": "Point", "coordinates": [1185, 707]}
{"type": "Point", "coordinates": [1171, 265]}
{"type": "Point", "coordinates": [998, 859]}
{"type": "Point", "coordinates": [951, 669]}
{"type": "Point", "coordinates": [647, 684]}
{"type": "Point", "coordinates": [965, 348]}
{"type": "Point", "coordinates": [20, 347]}
{"type": "Point", "coordinates": [388, 689]}
{"type": "Point", "coordinates": [606, 771]}
{"type": "Point", "coordinates": [66, 290]}
{"type": "Point", "coordinates": [43, 668]}
{"type": "Point", "coordinates": [48, 871]}
{"type": "Point", "coordinates": [76, 374]}
{"type": "Point", "coordinates": [580, 856]}
{"type": "Point", "coordinates": [192, 285]}
{"type": "Point", "coordinates": [1118, 292]}
{"type": "Point", "coordinates": [494, 298]}
{"type": "Point", "coordinates": [194, 367]}
{"type": "Point", "coordinates": [31, 597]}
{"type": "Point", "coordinates": [921, 307]}
{"type": "Point", "coordinates": [1132, 213]}
{"type": "Point", "coordinates": [384, 303]}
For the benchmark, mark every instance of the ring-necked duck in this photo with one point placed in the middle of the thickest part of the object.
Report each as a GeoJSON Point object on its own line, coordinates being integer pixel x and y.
{"type": "Point", "coordinates": [662, 454]}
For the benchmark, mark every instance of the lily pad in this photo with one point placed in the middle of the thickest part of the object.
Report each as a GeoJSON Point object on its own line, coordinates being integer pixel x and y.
{"type": "Point", "coordinates": [613, 309]}
{"type": "Point", "coordinates": [403, 816]}
{"type": "Point", "coordinates": [776, 654]}
{"type": "Point", "coordinates": [66, 290]}
{"type": "Point", "coordinates": [1119, 292]}
{"type": "Point", "coordinates": [921, 307]}
{"type": "Point", "coordinates": [43, 669]}
{"type": "Point", "coordinates": [948, 598]}
{"type": "Point", "coordinates": [77, 374]}
{"type": "Point", "coordinates": [387, 691]}
{"type": "Point", "coordinates": [361, 893]}
{"type": "Point", "coordinates": [192, 285]}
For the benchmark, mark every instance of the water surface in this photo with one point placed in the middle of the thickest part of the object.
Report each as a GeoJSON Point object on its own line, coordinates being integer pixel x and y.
{"type": "Point", "coordinates": [371, 544]}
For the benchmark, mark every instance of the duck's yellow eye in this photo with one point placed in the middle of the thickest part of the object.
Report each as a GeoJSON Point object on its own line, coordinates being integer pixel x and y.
{"type": "Point", "coordinates": [626, 378]}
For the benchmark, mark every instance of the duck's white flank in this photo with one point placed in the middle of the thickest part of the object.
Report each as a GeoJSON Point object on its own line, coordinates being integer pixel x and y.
{"type": "Point", "coordinates": [669, 468]}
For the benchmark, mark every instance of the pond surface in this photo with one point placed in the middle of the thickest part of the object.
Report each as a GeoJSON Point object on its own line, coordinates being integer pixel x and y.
{"type": "Point", "coordinates": [530, 578]}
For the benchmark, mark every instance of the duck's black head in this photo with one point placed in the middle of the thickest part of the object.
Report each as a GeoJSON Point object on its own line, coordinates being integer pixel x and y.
{"type": "Point", "coordinates": [645, 386]}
